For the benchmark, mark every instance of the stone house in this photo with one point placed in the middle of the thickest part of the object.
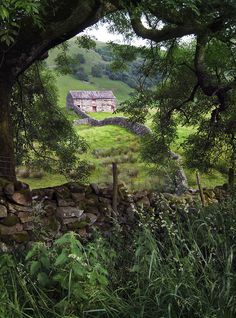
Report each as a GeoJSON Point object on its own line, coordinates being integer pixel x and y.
{"type": "Point", "coordinates": [91, 101]}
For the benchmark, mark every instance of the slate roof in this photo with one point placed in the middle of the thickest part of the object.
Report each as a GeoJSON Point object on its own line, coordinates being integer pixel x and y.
{"type": "Point", "coordinates": [92, 94]}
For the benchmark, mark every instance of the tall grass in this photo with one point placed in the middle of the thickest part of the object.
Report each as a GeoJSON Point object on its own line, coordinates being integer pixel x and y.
{"type": "Point", "coordinates": [177, 265]}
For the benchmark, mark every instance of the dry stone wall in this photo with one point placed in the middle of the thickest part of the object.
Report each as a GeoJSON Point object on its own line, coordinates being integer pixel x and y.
{"type": "Point", "coordinates": [44, 214]}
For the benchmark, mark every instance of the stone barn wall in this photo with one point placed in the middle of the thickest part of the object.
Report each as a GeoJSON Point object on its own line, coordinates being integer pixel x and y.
{"type": "Point", "coordinates": [102, 105]}
{"type": "Point", "coordinates": [91, 101]}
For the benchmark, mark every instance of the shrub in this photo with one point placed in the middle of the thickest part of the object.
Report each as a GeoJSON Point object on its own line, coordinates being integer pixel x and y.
{"type": "Point", "coordinates": [173, 264]}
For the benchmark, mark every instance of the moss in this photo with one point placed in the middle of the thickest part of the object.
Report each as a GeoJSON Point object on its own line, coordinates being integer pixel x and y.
{"type": "Point", "coordinates": [77, 225]}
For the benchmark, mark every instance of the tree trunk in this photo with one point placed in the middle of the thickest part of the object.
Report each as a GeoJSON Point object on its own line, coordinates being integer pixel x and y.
{"type": "Point", "coordinates": [7, 157]}
{"type": "Point", "coordinates": [231, 179]}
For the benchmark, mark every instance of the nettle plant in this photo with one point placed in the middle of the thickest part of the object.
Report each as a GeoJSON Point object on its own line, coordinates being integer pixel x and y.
{"type": "Point", "coordinates": [69, 268]}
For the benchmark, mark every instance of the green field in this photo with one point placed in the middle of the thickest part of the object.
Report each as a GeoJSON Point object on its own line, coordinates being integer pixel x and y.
{"type": "Point", "coordinates": [112, 143]}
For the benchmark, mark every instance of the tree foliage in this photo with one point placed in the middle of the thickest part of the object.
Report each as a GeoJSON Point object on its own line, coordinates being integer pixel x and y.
{"type": "Point", "coordinates": [44, 138]}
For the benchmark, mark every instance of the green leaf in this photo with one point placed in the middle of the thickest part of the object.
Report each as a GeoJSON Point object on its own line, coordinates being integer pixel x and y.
{"type": "Point", "coordinates": [4, 13]}
{"type": "Point", "coordinates": [35, 267]}
{"type": "Point", "coordinates": [43, 279]}
{"type": "Point", "coordinates": [62, 258]}
{"type": "Point", "coordinates": [45, 262]}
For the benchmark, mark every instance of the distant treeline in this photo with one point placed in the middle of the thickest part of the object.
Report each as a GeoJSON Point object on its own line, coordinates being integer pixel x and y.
{"type": "Point", "coordinates": [132, 76]}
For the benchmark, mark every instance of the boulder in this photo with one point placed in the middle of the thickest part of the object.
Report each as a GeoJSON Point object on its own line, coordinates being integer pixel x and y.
{"type": "Point", "coordinates": [3, 211]}
{"type": "Point", "coordinates": [26, 217]}
{"type": "Point", "coordinates": [69, 212]}
{"type": "Point", "coordinates": [10, 230]}
{"type": "Point", "coordinates": [92, 218]}
{"type": "Point", "coordinates": [64, 203]}
{"type": "Point", "coordinates": [22, 197]}
{"type": "Point", "coordinates": [10, 220]}
{"type": "Point", "coordinates": [95, 188]}
{"type": "Point", "coordinates": [21, 237]}
{"type": "Point", "coordinates": [62, 193]}
{"type": "Point", "coordinates": [14, 208]}
{"type": "Point", "coordinates": [78, 197]}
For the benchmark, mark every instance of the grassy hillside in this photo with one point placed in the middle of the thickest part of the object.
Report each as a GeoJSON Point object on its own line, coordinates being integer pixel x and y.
{"type": "Point", "coordinates": [69, 82]}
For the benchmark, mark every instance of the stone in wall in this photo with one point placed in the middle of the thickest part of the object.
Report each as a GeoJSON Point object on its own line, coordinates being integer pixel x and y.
{"type": "Point", "coordinates": [43, 214]}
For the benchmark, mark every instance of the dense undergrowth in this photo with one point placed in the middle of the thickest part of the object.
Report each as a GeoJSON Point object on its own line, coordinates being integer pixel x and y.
{"type": "Point", "coordinates": [169, 266]}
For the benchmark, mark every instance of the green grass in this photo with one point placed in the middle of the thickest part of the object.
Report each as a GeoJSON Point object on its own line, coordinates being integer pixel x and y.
{"type": "Point", "coordinates": [123, 147]}
{"type": "Point", "coordinates": [48, 180]}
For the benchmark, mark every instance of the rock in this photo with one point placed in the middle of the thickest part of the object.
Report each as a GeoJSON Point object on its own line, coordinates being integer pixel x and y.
{"type": "Point", "coordinates": [64, 203]}
{"type": "Point", "coordinates": [78, 197]}
{"type": "Point", "coordinates": [95, 188]}
{"type": "Point", "coordinates": [22, 197]}
{"type": "Point", "coordinates": [92, 218]}
{"type": "Point", "coordinates": [3, 211]}
{"type": "Point", "coordinates": [62, 193]}
{"type": "Point", "coordinates": [75, 187]}
{"type": "Point", "coordinates": [91, 200]}
{"type": "Point", "coordinates": [10, 230]}
{"type": "Point", "coordinates": [69, 212]}
{"type": "Point", "coordinates": [10, 220]}
{"type": "Point", "coordinates": [9, 189]}
{"type": "Point", "coordinates": [14, 208]}
{"type": "Point", "coordinates": [66, 221]}
{"type": "Point", "coordinates": [28, 226]}
{"type": "Point", "coordinates": [21, 237]}
{"type": "Point", "coordinates": [26, 217]}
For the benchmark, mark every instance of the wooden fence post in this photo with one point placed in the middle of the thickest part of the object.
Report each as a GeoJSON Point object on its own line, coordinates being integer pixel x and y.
{"type": "Point", "coordinates": [115, 187]}
{"type": "Point", "coordinates": [200, 189]}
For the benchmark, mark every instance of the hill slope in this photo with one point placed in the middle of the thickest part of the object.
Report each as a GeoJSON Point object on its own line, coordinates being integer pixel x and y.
{"type": "Point", "coordinates": [69, 82]}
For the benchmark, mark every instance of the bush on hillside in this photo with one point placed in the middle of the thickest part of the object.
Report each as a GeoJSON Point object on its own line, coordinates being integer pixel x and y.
{"type": "Point", "coordinates": [97, 70]}
{"type": "Point", "coordinates": [80, 58]}
{"type": "Point", "coordinates": [81, 75]}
